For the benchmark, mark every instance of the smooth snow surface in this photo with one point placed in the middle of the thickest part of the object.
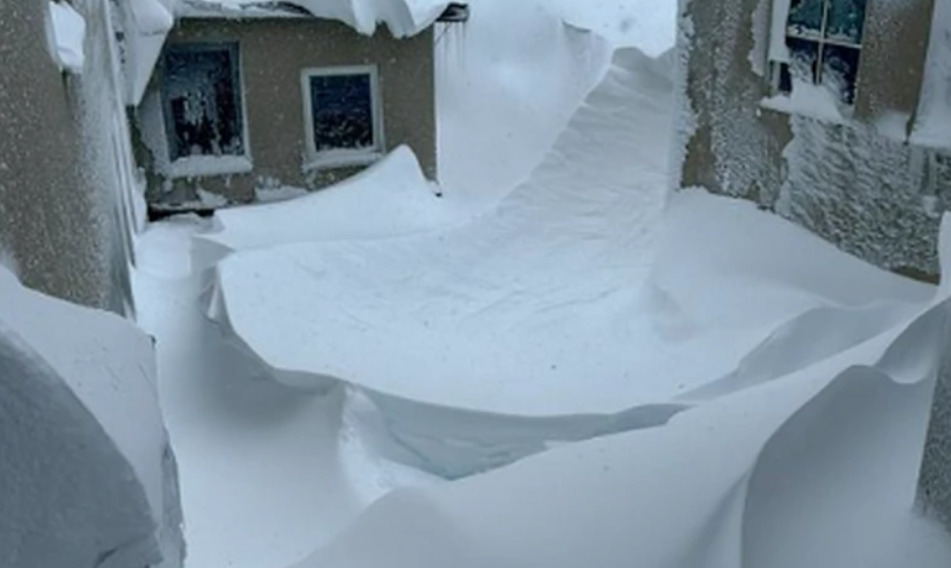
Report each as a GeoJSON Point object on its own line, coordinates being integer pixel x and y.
{"type": "Point", "coordinates": [87, 478]}
{"type": "Point", "coordinates": [66, 32]}
{"type": "Point", "coordinates": [702, 383]}
{"type": "Point", "coordinates": [815, 469]}
{"type": "Point", "coordinates": [391, 198]}
{"type": "Point", "coordinates": [266, 474]}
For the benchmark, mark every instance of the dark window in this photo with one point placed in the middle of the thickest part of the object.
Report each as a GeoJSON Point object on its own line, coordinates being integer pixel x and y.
{"type": "Point", "coordinates": [343, 111]}
{"type": "Point", "coordinates": [824, 38]}
{"type": "Point", "coordinates": [201, 90]}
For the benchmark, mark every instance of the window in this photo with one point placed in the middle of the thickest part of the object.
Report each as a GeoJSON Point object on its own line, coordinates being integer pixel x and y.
{"type": "Point", "coordinates": [342, 112]}
{"type": "Point", "coordinates": [824, 40]}
{"type": "Point", "coordinates": [201, 92]}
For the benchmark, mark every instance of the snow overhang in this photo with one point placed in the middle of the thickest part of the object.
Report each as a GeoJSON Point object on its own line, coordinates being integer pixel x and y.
{"type": "Point", "coordinates": [148, 23]}
{"type": "Point", "coordinates": [403, 18]}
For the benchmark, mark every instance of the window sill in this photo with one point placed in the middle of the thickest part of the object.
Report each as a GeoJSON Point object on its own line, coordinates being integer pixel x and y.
{"type": "Point", "coordinates": [208, 166]}
{"type": "Point", "coordinates": [342, 159]}
{"type": "Point", "coordinates": [820, 109]}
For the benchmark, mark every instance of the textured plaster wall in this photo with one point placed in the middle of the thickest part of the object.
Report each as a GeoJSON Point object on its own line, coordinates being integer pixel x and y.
{"type": "Point", "coordinates": [935, 482]}
{"type": "Point", "coordinates": [273, 52]}
{"type": "Point", "coordinates": [863, 188]}
{"type": "Point", "coordinates": [56, 224]}
{"type": "Point", "coordinates": [736, 148]}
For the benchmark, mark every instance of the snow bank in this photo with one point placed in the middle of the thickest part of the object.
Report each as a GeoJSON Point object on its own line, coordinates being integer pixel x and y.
{"type": "Point", "coordinates": [66, 32]}
{"type": "Point", "coordinates": [815, 469]}
{"type": "Point", "coordinates": [648, 25]}
{"type": "Point", "coordinates": [96, 484]}
{"type": "Point", "coordinates": [507, 82]}
{"type": "Point", "coordinates": [391, 198]}
{"type": "Point", "coordinates": [555, 304]}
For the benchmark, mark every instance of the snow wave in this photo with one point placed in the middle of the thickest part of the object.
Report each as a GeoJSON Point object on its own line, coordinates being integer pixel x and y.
{"type": "Point", "coordinates": [817, 468]}
{"type": "Point", "coordinates": [87, 476]}
{"type": "Point", "coordinates": [577, 308]}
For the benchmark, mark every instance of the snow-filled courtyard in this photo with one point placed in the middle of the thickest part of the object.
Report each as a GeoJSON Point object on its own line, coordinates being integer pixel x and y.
{"type": "Point", "coordinates": [549, 358]}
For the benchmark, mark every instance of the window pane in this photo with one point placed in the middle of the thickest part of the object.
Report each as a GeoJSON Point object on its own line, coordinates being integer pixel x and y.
{"type": "Point", "coordinates": [846, 19]}
{"type": "Point", "coordinates": [805, 18]}
{"type": "Point", "coordinates": [202, 101]}
{"type": "Point", "coordinates": [804, 56]}
{"type": "Point", "coordinates": [343, 111]}
{"type": "Point", "coordinates": [840, 70]}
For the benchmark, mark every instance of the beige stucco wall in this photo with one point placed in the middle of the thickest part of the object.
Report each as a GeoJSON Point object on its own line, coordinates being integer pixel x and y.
{"type": "Point", "coordinates": [273, 52]}
{"type": "Point", "coordinates": [57, 221]}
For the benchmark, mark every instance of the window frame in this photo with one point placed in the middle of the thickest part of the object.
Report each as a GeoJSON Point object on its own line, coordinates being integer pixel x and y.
{"type": "Point", "coordinates": [779, 67]}
{"type": "Point", "coordinates": [342, 157]}
{"type": "Point", "coordinates": [208, 164]}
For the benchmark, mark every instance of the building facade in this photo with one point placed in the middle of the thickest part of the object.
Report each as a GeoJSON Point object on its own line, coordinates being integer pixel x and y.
{"type": "Point", "coordinates": [830, 113]}
{"type": "Point", "coordinates": [62, 225]}
{"type": "Point", "coordinates": [236, 106]}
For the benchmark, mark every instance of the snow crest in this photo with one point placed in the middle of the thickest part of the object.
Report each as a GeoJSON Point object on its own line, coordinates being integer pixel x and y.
{"type": "Point", "coordinates": [88, 477]}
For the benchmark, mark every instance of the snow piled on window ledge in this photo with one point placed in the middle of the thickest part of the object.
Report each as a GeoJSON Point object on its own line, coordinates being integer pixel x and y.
{"type": "Point", "coordinates": [806, 99]}
{"type": "Point", "coordinates": [342, 159]}
{"type": "Point", "coordinates": [205, 166]}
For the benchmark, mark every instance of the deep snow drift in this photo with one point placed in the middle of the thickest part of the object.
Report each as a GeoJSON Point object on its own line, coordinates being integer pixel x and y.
{"type": "Point", "coordinates": [757, 397]}
{"type": "Point", "coordinates": [88, 477]}
{"type": "Point", "coordinates": [571, 310]}
{"type": "Point", "coordinates": [815, 468]}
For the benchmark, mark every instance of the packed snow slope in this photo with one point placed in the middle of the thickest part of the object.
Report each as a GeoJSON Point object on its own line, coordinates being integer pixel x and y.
{"type": "Point", "coordinates": [575, 308]}
{"type": "Point", "coordinates": [266, 474]}
{"type": "Point", "coordinates": [817, 467]}
{"type": "Point", "coordinates": [391, 198]}
{"type": "Point", "coordinates": [546, 305]}
{"type": "Point", "coordinates": [87, 476]}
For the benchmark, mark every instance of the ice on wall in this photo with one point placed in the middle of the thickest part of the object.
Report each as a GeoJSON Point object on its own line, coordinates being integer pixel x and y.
{"type": "Point", "coordinates": [861, 191]}
{"type": "Point", "coordinates": [736, 148]}
{"type": "Point", "coordinates": [88, 477]}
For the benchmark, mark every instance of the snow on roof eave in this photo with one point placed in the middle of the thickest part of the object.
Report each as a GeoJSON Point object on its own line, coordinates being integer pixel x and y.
{"type": "Point", "coordinates": [146, 39]}
{"type": "Point", "coordinates": [403, 17]}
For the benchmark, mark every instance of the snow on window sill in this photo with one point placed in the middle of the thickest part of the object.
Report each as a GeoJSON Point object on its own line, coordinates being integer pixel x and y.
{"type": "Point", "coordinates": [206, 166]}
{"type": "Point", "coordinates": [819, 108]}
{"type": "Point", "coordinates": [342, 159]}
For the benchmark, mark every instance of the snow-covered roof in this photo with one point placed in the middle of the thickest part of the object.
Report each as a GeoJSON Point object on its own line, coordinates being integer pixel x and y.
{"type": "Point", "coordinates": [148, 22]}
{"type": "Point", "coordinates": [402, 17]}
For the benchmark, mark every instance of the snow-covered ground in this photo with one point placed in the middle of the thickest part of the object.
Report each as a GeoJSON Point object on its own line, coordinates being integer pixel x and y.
{"type": "Point", "coordinates": [703, 383]}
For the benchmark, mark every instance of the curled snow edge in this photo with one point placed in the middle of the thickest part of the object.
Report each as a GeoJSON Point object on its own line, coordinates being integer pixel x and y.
{"type": "Point", "coordinates": [797, 470]}
{"type": "Point", "coordinates": [88, 477]}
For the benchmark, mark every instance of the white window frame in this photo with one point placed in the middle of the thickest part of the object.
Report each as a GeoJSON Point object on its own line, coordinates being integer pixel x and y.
{"type": "Point", "coordinates": [779, 52]}
{"type": "Point", "coordinates": [342, 157]}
